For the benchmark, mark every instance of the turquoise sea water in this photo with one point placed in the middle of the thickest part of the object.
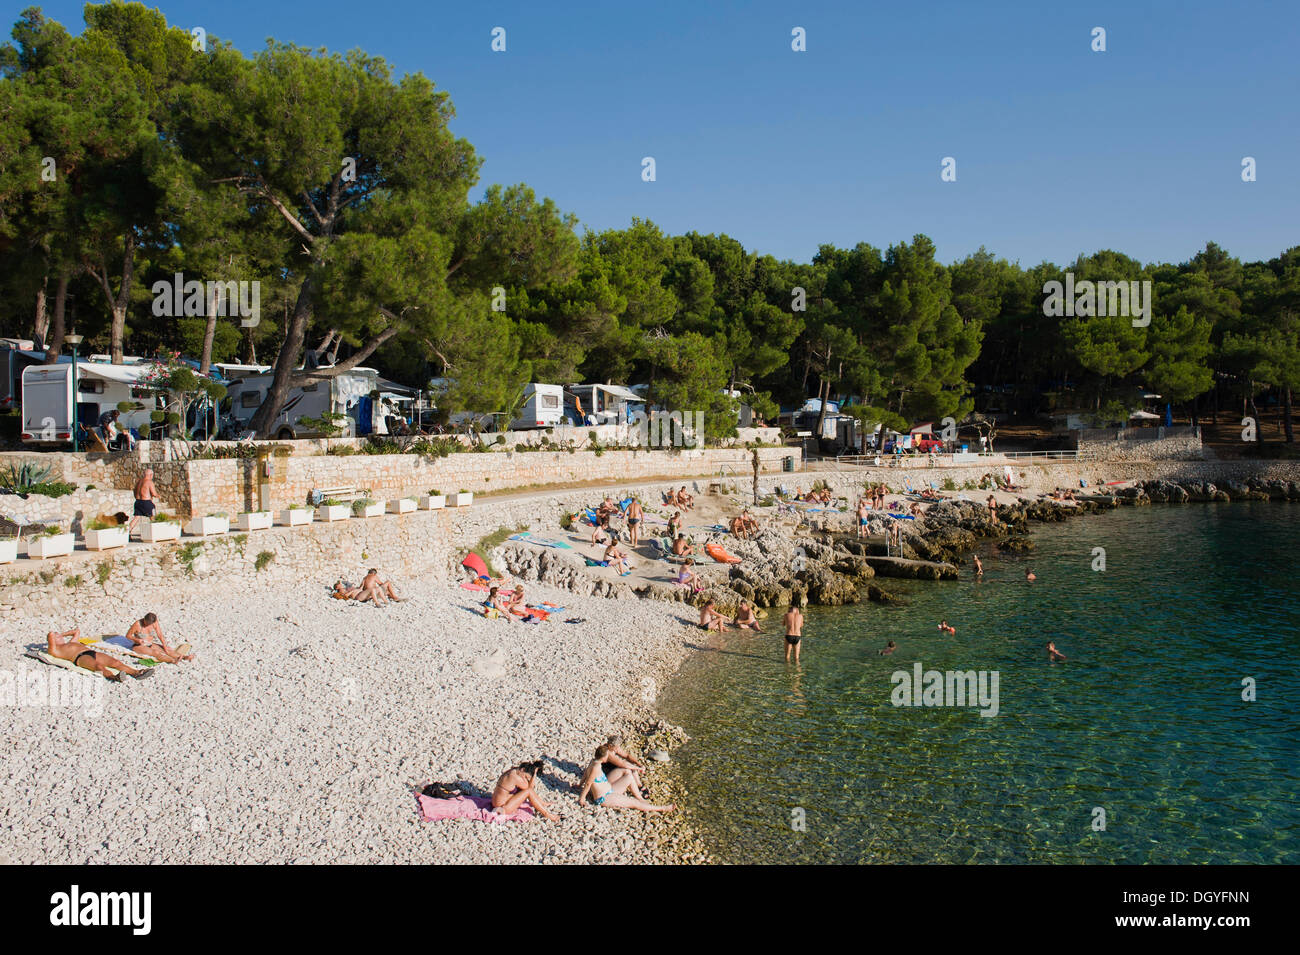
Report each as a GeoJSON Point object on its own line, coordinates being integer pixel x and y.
{"type": "Point", "coordinates": [1145, 720]}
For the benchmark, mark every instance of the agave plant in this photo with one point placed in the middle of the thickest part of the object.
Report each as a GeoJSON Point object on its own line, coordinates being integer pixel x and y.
{"type": "Point", "coordinates": [20, 477]}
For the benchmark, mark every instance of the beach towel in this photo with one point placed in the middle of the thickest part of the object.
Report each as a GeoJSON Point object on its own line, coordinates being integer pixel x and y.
{"type": "Point", "coordinates": [622, 505]}
{"type": "Point", "coordinates": [468, 585]}
{"type": "Point", "coordinates": [475, 563]}
{"type": "Point", "coordinates": [60, 663]}
{"type": "Point", "coordinates": [539, 541]}
{"type": "Point", "coordinates": [467, 807]}
{"type": "Point", "coordinates": [596, 563]}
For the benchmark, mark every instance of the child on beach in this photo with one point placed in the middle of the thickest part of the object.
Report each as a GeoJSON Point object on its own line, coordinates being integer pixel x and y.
{"type": "Point", "coordinates": [688, 578]}
{"type": "Point", "coordinates": [710, 619]}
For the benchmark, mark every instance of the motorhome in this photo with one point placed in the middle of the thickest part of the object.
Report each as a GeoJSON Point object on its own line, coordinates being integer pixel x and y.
{"type": "Point", "coordinates": [601, 404]}
{"type": "Point", "coordinates": [47, 399]}
{"type": "Point", "coordinates": [350, 393]}
{"type": "Point", "coordinates": [16, 355]}
{"type": "Point", "coordinates": [543, 407]}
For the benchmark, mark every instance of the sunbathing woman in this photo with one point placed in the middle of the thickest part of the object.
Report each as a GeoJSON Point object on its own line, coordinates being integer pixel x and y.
{"type": "Point", "coordinates": [345, 591]}
{"type": "Point", "coordinates": [617, 559]}
{"type": "Point", "coordinates": [612, 790]}
{"type": "Point", "coordinates": [688, 578]}
{"type": "Point", "coordinates": [495, 606]}
{"type": "Point", "coordinates": [147, 636]}
{"type": "Point", "coordinates": [516, 787]}
{"type": "Point", "coordinates": [65, 646]}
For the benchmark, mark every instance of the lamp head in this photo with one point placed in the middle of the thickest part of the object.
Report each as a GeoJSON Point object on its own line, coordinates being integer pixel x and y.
{"type": "Point", "coordinates": [74, 339]}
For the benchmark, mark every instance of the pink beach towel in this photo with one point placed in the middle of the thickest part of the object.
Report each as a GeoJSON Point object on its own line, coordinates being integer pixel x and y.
{"type": "Point", "coordinates": [467, 807]}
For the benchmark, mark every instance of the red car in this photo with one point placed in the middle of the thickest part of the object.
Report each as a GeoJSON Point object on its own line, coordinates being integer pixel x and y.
{"type": "Point", "coordinates": [926, 443]}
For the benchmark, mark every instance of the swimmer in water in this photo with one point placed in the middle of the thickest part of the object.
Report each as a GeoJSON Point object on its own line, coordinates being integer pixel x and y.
{"type": "Point", "coordinates": [979, 567]}
{"type": "Point", "coordinates": [943, 625]}
{"type": "Point", "coordinates": [1030, 575]}
{"type": "Point", "coordinates": [1054, 654]}
{"type": "Point", "coordinates": [890, 647]}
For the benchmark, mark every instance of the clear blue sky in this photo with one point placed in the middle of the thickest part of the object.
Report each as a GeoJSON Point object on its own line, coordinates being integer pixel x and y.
{"type": "Point", "coordinates": [1059, 150]}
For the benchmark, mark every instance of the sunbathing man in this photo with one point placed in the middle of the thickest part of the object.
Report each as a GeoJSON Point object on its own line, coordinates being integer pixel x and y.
{"type": "Point", "coordinates": [687, 501]}
{"type": "Point", "coordinates": [147, 636]}
{"type": "Point", "coordinates": [745, 618]}
{"type": "Point", "coordinates": [65, 646]}
{"type": "Point", "coordinates": [739, 529]}
{"type": "Point", "coordinates": [682, 547]}
{"type": "Point", "coordinates": [710, 619]}
{"type": "Point", "coordinates": [380, 591]}
{"type": "Point", "coordinates": [793, 631]}
{"type": "Point", "coordinates": [345, 591]}
{"type": "Point", "coordinates": [750, 522]}
{"type": "Point", "coordinates": [516, 787]}
{"type": "Point", "coordinates": [611, 789]}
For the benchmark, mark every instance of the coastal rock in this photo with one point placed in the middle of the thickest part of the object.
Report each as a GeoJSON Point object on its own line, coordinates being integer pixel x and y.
{"type": "Point", "coordinates": [1015, 545]}
{"type": "Point", "coordinates": [878, 595]}
{"type": "Point", "coordinates": [912, 569]}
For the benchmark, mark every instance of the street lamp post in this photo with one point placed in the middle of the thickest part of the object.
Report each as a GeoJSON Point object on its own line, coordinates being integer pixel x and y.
{"type": "Point", "coordinates": [74, 340]}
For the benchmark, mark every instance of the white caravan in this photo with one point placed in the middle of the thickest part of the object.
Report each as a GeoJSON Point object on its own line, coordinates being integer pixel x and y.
{"type": "Point", "coordinates": [47, 399]}
{"type": "Point", "coordinates": [543, 407]}
{"type": "Point", "coordinates": [348, 394]}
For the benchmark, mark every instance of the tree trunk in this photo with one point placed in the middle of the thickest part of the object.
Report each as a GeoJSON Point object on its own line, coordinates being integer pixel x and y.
{"type": "Point", "coordinates": [1286, 421]}
{"type": "Point", "coordinates": [824, 393]}
{"type": "Point", "coordinates": [294, 336]}
{"type": "Point", "coordinates": [41, 324]}
{"type": "Point", "coordinates": [209, 332]}
{"type": "Point", "coordinates": [118, 303]}
{"type": "Point", "coordinates": [56, 325]}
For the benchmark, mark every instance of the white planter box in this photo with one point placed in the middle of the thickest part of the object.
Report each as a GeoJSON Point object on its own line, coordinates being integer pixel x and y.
{"type": "Point", "coordinates": [254, 521]}
{"type": "Point", "coordinates": [402, 505]}
{"type": "Point", "coordinates": [8, 550]}
{"type": "Point", "coordinates": [294, 516]}
{"type": "Point", "coordinates": [433, 502]}
{"type": "Point", "coordinates": [461, 500]}
{"type": "Point", "coordinates": [56, 546]}
{"type": "Point", "coordinates": [372, 510]}
{"type": "Point", "coordinates": [108, 537]}
{"type": "Point", "coordinates": [153, 531]}
{"type": "Point", "coordinates": [206, 526]}
{"type": "Point", "coordinates": [333, 512]}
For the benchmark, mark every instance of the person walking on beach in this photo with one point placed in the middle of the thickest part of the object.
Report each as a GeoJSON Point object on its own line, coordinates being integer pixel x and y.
{"type": "Point", "coordinates": [612, 789]}
{"type": "Point", "coordinates": [67, 646]}
{"type": "Point", "coordinates": [793, 631]}
{"type": "Point", "coordinates": [1054, 654]}
{"type": "Point", "coordinates": [517, 786]}
{"type": "Point", "coordinates": [144, 499]}
{"type": "Point", "coordinates": [634, 517]}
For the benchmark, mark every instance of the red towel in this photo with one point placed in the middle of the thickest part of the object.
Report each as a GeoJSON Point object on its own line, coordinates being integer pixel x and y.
{"type": "Point", "coordinates": [467, 807]}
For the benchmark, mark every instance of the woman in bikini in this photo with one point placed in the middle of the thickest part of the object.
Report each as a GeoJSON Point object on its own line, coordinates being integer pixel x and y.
{"type": "Point", "coordinates": [516, 787]}
{"type": "Point", "coordinates": [147, 635]}
{"type": "Point", "coordinates": [613, 789]}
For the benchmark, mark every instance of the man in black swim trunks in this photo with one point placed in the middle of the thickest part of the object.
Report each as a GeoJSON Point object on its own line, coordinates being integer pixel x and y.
{"type": "Point", "coordinates": [793, 631]}
{"type": "Point", "coordinates": [66, 646]}
{"type": "Point", "coordinates": [144, 495]}
{"type": "Point", "coordinates": [634, 516]}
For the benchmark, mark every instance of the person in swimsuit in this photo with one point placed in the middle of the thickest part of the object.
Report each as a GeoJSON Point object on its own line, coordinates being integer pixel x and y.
{"type": "Point", "coordinates": [516, 787]}
{"type": "Point", "coordinates": [380, 591]}
{"type": "Point", "coordinates": [993, 508]}
{"type": "Point", "coordinates": [710, 619]}
{"type": "Point", "coordinates": [1054, 654]}
{"type": "Point", "coordinates": [617, 559]}
{"type": "Point", "coordinates": [750, 523]}
{"type": "Point", "coordinates": [675, 525]}
{"type": "Point", "coordinates": [619, 758]}
{"type": "Point", "coordinates": [601, 527]}
{"type": "Point", "coordinates": [1030, 576]}
{"type": "Point", "coordinates": [345, 591]}
{"type": "Point", "coordinates": [66, 646]}
{"type": "Point", "coordinates": [613, 789]}
{"type": "Point", "coordinates": [979, 567]}
{"type": "Point", "coordinates": [634, 517]}
{"type": "Point", "coordinates": [682, 547]}
{"type": "Point", "coordinates": [144, 495]}
{"type": "Point", "coordinates": [943, 625]}
{"type": "Point", "coordinates": [863, 506]}
{"type": "Point", "coordinates": [147, 636]}
{"type": "Point", "coordinates": [745, 618]}
{"type": "Point", "coordinates": [688, 578]}
{"type": "Point", "coordinates": [494, 606]}
{"type": "Point", "coordinates": [890, 647]}
{"type": "Point", "coordinates": [793, 631]}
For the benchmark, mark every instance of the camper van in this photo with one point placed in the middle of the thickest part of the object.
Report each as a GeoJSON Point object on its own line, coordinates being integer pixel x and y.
{"type": "Point", "coordinates": [543, 407]}
{"type": "Point", "coordinates": [601, 404]}
{"type": "Point", "coordinates": [47, 399]}
{"type": "Point", "coordinates": [349, 393]}
{"type": "Point", "coordinates": [16, 355]}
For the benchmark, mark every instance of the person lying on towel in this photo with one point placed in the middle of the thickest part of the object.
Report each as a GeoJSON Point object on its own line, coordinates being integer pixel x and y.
{"type": "Point", "coordinates": [66, 646]}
